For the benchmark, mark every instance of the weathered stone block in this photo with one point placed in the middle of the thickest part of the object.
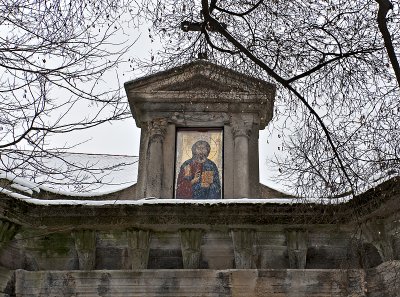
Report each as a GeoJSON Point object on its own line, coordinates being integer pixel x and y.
{"type": "Point", "coordinates": [384, 280]}
{"type": "Point", "coordinates": [191, 243]}
{"type": "Point", "coordinates": [85, 245]}
{"type": "Point", "coordinates": [193, 283]}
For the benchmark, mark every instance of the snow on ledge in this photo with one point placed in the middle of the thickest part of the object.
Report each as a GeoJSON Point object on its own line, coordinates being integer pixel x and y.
{"type": "Point", "coordinates": [14, 195]}
{"type": "Point", "coordinates": [19, 180]}
{"type": "Point", "coordinates": [152, 200]}
{"type": "Point", "coordinates": [85, 194]}
{"type": "Point", "coordinates": [22, 188]}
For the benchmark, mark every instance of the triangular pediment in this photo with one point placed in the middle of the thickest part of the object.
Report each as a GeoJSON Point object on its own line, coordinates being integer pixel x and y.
{"type": "Point", "coordinates": [197, 77]}
{"type": "Point", "coordinates": [199, 88]}
{"type": "Point", "coordinates": [199, 83]}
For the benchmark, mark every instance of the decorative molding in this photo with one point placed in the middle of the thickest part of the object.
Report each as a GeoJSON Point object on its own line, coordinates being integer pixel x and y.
{"type": "Point", "coordinates": [199, 83]}
{"type": "Point", "coordinates": [85, 245]}
{"type": "Point", "coordinates": [200, 117]}
{"type": "Point", "coordinates": [138, 248]}
{"type": "Point", "coordinates": [173, 79]}
{"type": "Point", "coordinates": [190, 244]}
{"type": "Point", "coordinates": [297, 248]}
{"type": "Point", "coordinates": [243, 243]}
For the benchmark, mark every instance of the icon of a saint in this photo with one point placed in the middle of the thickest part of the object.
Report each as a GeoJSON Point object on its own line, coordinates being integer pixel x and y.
{"type": "Point", "coordinates": [198, 177]}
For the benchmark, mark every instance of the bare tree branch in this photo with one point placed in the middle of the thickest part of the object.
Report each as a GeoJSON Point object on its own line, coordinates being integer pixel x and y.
{"type": "Point", "coordinates": [384, 7]}
{"type": "Point", "coordinates": [270, 72]}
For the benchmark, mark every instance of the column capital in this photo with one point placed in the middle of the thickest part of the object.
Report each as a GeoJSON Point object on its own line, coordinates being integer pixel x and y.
{"type": "Point", "coordinates": [241, 126]}
{"type": "Point", "coordinates": [157, 128]}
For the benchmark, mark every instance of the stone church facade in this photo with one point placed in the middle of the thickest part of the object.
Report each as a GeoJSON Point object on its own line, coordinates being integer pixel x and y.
{"type": "Point", "coordinates": [144, 242]}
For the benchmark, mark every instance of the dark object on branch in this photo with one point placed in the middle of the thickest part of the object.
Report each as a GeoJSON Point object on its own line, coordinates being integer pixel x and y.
{"type": "Point", "coordinates": [187, 26]}
{"type": "Point", "coordinates": [202, 56]}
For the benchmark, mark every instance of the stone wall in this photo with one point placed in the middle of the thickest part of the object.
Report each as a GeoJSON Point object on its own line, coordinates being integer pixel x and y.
{"type": "Point", "coordinates": [166, 248]}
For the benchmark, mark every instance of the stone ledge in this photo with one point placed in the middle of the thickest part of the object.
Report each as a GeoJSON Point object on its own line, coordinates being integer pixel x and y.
{"type": "Point", "coordinates": [379, 202]}
{"type": "Point", "coordinates": [200, 283]}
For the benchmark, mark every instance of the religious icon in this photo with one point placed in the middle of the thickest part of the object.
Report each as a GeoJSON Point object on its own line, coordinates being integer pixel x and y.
{"type": "Point", "coordinates": [198, 167]}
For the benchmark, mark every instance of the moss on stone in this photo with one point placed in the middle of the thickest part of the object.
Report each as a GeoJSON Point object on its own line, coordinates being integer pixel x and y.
{"type": "Point", "coordinates": [55, 243]}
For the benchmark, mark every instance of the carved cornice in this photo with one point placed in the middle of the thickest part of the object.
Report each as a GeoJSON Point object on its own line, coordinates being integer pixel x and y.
{"type": "Point", "coordinates": [187, 75]}
{"type": "Point", "coordinates": [380, 202]}
{"type": "Point", "coordinates": [201, 83]}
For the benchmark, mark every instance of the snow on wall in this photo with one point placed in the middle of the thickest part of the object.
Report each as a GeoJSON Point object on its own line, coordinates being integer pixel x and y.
{"type": "Point", "coordinates": [152, 200]}
{"type": "Point", "coordinates": [70, 173]}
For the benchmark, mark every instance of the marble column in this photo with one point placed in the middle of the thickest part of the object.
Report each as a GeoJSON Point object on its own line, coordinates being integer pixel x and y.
{"type": "Point", "coordinates": [241, 133]}
{"type": "Point", "coordinates": [155, 158]}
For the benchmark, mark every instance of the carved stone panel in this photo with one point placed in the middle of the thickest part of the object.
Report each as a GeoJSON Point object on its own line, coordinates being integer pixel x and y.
{"type": "Point", "coordinates": [297, 248]}
{"type": "Point", "coordinates": [85, 245]}
{"type": "Point", "coordinates": [7, 232]}
{"type": "Point", "coordinates": [138, 248]}
{"type": "Point", "coordinates": [190, 244]}
{"type": "Point", "coordinates": [243, 244]}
